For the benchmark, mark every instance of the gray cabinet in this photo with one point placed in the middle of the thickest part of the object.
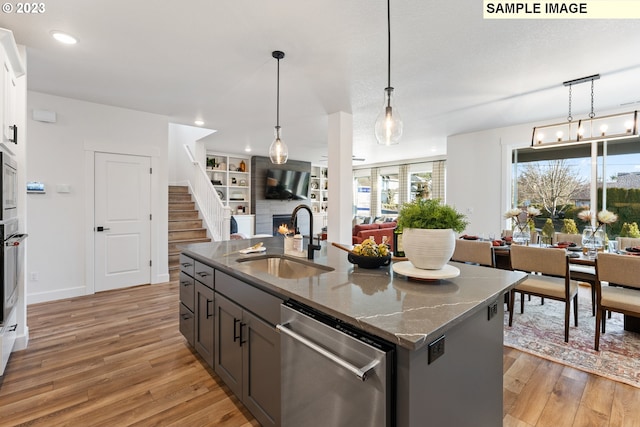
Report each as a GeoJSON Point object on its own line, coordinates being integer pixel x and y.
{"type": "Point", "coordinates": [204, 322]}
{"type": "Point", "coordinates": [247, 354]}
{"type": "Point", "coordinates": [196, 306]}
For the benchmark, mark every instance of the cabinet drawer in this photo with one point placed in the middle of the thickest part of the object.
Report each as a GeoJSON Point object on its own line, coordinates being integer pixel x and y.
{"type": "Point", "coordinates": [187, 291]}
{"type": "Point", "coordinates": [187, 324]}
{"type": "Point", "coordinates": [251, 298]}
{"type": "Point", "coordinates": [204, 274]}
{"type": "Point", "coordinates": [187, 265]}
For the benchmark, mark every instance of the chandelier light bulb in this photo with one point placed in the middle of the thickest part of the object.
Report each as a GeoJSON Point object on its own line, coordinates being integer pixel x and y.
{"type": "Point", "coordinates": [603, 129]}
{"type": "Point", "coordinates": [559, 135]}
{"type": "Point", "coordinates": [628, 125]}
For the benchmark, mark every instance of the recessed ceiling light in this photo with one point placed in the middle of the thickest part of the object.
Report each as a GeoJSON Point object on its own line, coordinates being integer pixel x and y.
{"type": "Point", "coordinates": [198, 122]}
{"type": "Point", "coordinates": [64, 37]}
{"type": "Point", "coordinates": [248, 149]}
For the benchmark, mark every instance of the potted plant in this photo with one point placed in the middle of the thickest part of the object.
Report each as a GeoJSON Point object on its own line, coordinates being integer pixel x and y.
{"type": "Point", "coordinates": [428, 232]}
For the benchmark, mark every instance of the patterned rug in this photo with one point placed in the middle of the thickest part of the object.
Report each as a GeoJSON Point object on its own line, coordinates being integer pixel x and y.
{"type": "Point", "coordinates": [540, 331]}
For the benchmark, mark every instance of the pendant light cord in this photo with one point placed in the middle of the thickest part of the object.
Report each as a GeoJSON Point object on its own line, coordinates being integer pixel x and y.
{"type": "Point", "coordinates": [278, 96]}
{"type": "Point", "coordinates": [388, 43]}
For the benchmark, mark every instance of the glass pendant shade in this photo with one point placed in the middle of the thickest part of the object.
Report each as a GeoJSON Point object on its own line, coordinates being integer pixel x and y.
{"type": "Point", "coordinates": [388, 127]}
{"type": "Point", "coordinates": [278, 151]}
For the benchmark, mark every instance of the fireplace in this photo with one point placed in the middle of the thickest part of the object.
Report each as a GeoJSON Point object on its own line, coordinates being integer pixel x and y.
{"type": "Point", "coordinates": [278, 220]}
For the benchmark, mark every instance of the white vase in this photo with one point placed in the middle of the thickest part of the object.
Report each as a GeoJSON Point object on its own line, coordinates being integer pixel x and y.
{"type": "Point", "coordinates": [428, 249]}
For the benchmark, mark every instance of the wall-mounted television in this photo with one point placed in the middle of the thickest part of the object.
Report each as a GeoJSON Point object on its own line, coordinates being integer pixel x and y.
{"type": "Point", "coordinates": [285, 184]}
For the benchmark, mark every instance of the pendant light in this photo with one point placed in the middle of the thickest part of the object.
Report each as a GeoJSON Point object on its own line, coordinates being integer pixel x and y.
{"type": "Point", "coordinates": [388, 124]}
{"type": "Point", "coordinates": [278, 151]}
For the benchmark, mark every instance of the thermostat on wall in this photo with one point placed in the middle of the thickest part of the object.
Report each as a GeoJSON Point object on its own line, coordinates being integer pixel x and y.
{"type": "Point", "coordinates": [35, 187]}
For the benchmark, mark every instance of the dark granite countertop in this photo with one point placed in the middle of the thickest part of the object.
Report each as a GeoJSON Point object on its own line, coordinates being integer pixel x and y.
{"type": "Point", "coordinates": [404, 311]}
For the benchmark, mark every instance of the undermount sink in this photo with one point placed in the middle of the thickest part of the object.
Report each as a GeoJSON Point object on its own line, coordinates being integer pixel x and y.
{"type": "Point", "coordinates": [285, 267]}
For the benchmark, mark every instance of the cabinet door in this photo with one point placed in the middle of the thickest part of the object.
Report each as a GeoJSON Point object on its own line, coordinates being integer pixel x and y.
{"type": "Point", "coordinates": [261, 370]}
{"type": "Point", "coordinates": [204, 342]}
{"type": "Point", "coordinates": [228, 356]}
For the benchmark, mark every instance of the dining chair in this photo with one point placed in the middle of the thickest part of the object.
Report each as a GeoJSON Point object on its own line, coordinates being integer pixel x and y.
{"type": "Point", "coordinates": [623, 271]}
{"type": "Point", "coordinates": [627, 242]}
{"type": "Point", "coordinates": [474, 251]}
{"type": "Point", "coordinates": [580, 273]}
{"type": "Point", "coordinates": [553, 282]}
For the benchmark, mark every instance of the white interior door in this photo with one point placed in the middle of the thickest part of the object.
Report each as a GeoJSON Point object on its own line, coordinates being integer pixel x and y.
{"type": "Point", "coordinates": [122, 225]}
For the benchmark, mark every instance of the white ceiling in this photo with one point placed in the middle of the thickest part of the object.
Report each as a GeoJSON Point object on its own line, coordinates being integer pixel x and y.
{"type": "Point", "coordinates": [453, 71]}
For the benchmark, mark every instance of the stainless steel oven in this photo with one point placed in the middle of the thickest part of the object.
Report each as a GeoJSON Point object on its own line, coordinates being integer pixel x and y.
{"type": "Point", "coordinates": [12, 261]}
{"type": "Point", "coordinates": [9, 185]}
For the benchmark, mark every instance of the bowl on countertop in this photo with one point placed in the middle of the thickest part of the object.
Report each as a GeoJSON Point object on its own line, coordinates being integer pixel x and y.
{"type": "Point", "coordinates": [369, 261]}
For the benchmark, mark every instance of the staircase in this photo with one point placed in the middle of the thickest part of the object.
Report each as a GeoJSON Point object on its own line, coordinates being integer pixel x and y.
{"type": "Point", "coordinates": [185, 226]}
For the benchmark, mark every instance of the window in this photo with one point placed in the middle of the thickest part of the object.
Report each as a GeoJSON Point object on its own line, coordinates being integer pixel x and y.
{"type": "Point", "coordinates": [562, 181]}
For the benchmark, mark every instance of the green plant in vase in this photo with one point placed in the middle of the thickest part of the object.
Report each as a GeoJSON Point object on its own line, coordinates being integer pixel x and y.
{"type": "Point", "coordinates": [428, 228]}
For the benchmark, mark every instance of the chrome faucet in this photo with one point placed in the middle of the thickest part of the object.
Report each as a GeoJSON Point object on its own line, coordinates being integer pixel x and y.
{"type": "Point", "coordinates": [294, 219]}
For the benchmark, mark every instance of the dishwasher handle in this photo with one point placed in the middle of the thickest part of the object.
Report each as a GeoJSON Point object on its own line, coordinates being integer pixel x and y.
{"type": "Point", "coordinates": [361, 373]}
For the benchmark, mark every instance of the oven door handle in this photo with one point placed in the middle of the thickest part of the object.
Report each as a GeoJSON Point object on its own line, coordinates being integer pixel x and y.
{"type": "Point", "coordinates": [361, 373]}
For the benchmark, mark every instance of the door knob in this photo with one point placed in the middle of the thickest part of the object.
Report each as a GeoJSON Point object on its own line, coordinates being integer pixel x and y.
{"type": "Point", "coordinates": [102, 228]}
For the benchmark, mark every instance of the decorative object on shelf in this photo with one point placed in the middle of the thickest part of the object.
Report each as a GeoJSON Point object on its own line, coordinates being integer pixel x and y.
{"type": "Point", "coordinates": [388, 128]}
{"type": "Point", "coordinates": [243, 182]}
{"type": "Point", "coordinates": [278, 151]}
{"type": "Point", "coordinates": [243, 166]}
{"type": "Point", "coordinates": [220, 194]}
{"type": "Point", "coordinates": [593, 240]}
{"type": "Point", "coordinates": [232, 167]}
{"type": "Point", "coordinates": [605, 128]}
{"type": "Point", "coordinates": [428, 232]}
{"type": "Point", "coordinates": [522, 220]}
{"type": "Point", "coordinates": [234, 180]}
{"type": "Point", "coordinates": [314, 185]}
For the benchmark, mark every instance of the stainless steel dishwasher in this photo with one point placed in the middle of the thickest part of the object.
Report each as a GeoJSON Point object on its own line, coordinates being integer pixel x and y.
{"type": "Point", "coordinates": [332, 373]}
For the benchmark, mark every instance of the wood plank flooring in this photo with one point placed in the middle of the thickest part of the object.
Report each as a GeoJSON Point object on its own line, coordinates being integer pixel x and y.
{"type": "Point", "coordinates": [117, 359]}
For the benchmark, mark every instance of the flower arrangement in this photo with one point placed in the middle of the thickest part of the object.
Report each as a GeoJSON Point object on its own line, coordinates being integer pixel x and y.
{"type": "Point", "coordinates": [522, 218]}
{"type": "Point", "coordinates": [603, 217]}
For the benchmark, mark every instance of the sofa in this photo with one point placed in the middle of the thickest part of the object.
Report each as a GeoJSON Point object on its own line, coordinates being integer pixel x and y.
{"type": "Point", "coordinates": [377, 231]}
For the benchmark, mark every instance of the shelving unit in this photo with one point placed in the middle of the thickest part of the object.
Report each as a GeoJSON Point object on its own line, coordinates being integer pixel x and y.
{"type": "Point", "coordinates": [319, 189]}
{"type": "Point", "coordinates": [231, 177]}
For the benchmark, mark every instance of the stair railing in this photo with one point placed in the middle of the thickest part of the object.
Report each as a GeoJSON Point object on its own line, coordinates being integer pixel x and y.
{"type": "Point", "coordinates": [216, 216]}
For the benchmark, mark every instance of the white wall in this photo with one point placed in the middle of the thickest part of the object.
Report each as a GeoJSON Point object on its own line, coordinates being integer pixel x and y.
{"type": "Point", "coordinates": [179, 136]}
{"type": "Point", "coordinates": [60, 224]}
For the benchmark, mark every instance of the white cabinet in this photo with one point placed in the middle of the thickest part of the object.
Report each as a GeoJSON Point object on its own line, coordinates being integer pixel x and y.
{"type": "Point", "coordinates": [319, 189]}
{"type": "Point", "coordinates": [231, 177]}
{"type": "Point", "coordinates": [246, 224]}
{"type": "Point", "coordinates": [10, 69]}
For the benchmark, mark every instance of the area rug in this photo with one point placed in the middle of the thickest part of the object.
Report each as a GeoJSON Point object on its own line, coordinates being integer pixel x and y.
{"type": "Point", "coordinates": [540, 331]}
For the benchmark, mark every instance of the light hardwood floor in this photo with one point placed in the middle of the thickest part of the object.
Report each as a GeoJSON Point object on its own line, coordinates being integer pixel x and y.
{"type": "Point", "coordinates": [117, 359]}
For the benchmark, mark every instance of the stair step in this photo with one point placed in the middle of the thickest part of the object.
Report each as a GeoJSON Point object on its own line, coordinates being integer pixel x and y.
{"type": "Point", "coordinates": [182, 206]}
{"type": "Point", "coordinates": [179, 215]}
{"type": "Point", "coordinates": [179, 197]}
{"type": "Point", "coordinates": [194, 233]}
{"type": "Point", "coordinates": [184, 224]}
{"type": "Point", "coordinates": [178, 189]}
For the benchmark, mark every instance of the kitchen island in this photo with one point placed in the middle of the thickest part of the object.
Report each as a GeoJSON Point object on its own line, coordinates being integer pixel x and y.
{"type": "Point", "coordinates": [455, 380]}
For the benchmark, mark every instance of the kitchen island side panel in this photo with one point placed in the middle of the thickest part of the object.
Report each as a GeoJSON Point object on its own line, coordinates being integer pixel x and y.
{"type": "Point", "coordinates": [461, 388]}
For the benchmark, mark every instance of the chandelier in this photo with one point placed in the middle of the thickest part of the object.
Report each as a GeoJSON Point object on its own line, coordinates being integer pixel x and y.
{"type": "Point", "coordinates": [605, 128]}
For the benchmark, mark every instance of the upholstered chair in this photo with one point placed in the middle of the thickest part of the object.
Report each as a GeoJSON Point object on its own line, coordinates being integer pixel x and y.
{"type": "Point", "coordinates": [474, 251]}
{"type": "Point", "coordinates": [623, 271]}
{"type": "Point", "coordinates": [553, 280]}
